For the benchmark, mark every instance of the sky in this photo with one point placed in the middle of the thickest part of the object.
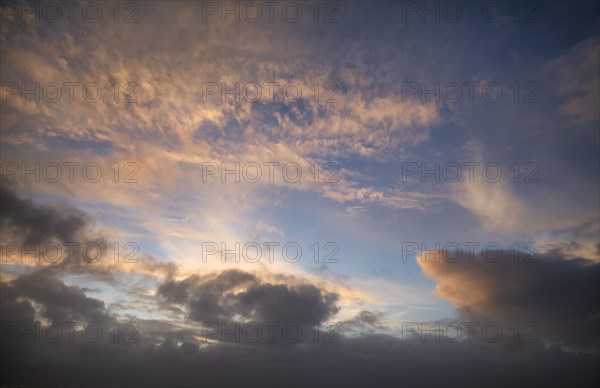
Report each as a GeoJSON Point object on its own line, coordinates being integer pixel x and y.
{"type": "Point", "coordinates": [325, 193]}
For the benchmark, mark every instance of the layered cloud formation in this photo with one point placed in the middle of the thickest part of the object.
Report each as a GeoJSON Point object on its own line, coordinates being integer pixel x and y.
{"type": "Point", "coordinates": [126, 148]}
{"type": "Point", "coordinates": [206, 345]}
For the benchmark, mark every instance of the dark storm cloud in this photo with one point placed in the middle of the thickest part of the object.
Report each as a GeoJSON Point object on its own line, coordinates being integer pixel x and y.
{"type": "Point", "coordinates": [167, 355]}
{"type": "Point", "coordinates": [370, 360]}
{"type": "Point", "coordinates": [58, 301]}
{"type": "Point", "coordinates": [219, 298]}
{"type": "Point", "coordinates": [38, 223]}
{"type": "Point", "coordinates": [176, 292]}
{"type": "Point", "coordinates": [558, 293]}
{"type": "Point", "coordinates": [365, 322]}
{"type": "Point", "coordinates": [305, 304]}
{"type": "Point", "coordinates": [561, 295]}
{"type": "Point", "coordinates": [25, 224]}
{"type": "Point", "coordinates": [13, 307]}
{"type": "Point", "coordinates": [52, 234]}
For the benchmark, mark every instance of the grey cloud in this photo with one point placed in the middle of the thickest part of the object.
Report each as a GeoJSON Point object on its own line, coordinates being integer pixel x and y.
{"type": "Point", "coordinates": [305, 304]}
{"type": "Point", "coordinates": [26, 223]}
{"type": "Point", "coordinates": [174, 291]}
{"type": "Point", "coordinates": [58, 302]}
{"type": "Point", "coordinates": [166, 354]}
{"type": "Point", "coordinates": [212, 299]}
{"type": "Point", "coordinates": [38, 223]}
{"type": "Point", "coordinates": [369, 360]}
{"type": "Point", "coordinates": [561, 295]}
{"type": "Point", "coordinates": [365, 322]}
{"type": "Point", "coordinates": [578, 82]}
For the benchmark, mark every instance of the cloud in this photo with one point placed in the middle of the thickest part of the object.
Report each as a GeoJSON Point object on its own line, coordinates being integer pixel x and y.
{"type": "Point", "coordinates": [578, 81]}
{"type": "Point", "coordinates": [38, 223]}
{"type": "Point", "coordinates": [366, 360]}
{"type": "Point", "coordinates": [305, 304]}
{"type": "Point", "coordinates": [171, 131]}
{"type": "Point", "coordinates": [561, 296]}
{"type": "Point", "coordinates": [58, 302]}
{"type": "Point", "coordinates": [61, 240]}
{"type": "Point", "coordinates": [352, 211]}
{"type": "Point", "coordinates": [164, 352]}
{"type": "Point", "coordinates": [173, 123]}
{"type": "Point", "coordinates": [365, 322]}
{"type": "Point", "coordinates": [263, 227]}
{"type": "Point", "coordinates": [236, 293]}
{"type": "Point", "coordinates": [505, 207]}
